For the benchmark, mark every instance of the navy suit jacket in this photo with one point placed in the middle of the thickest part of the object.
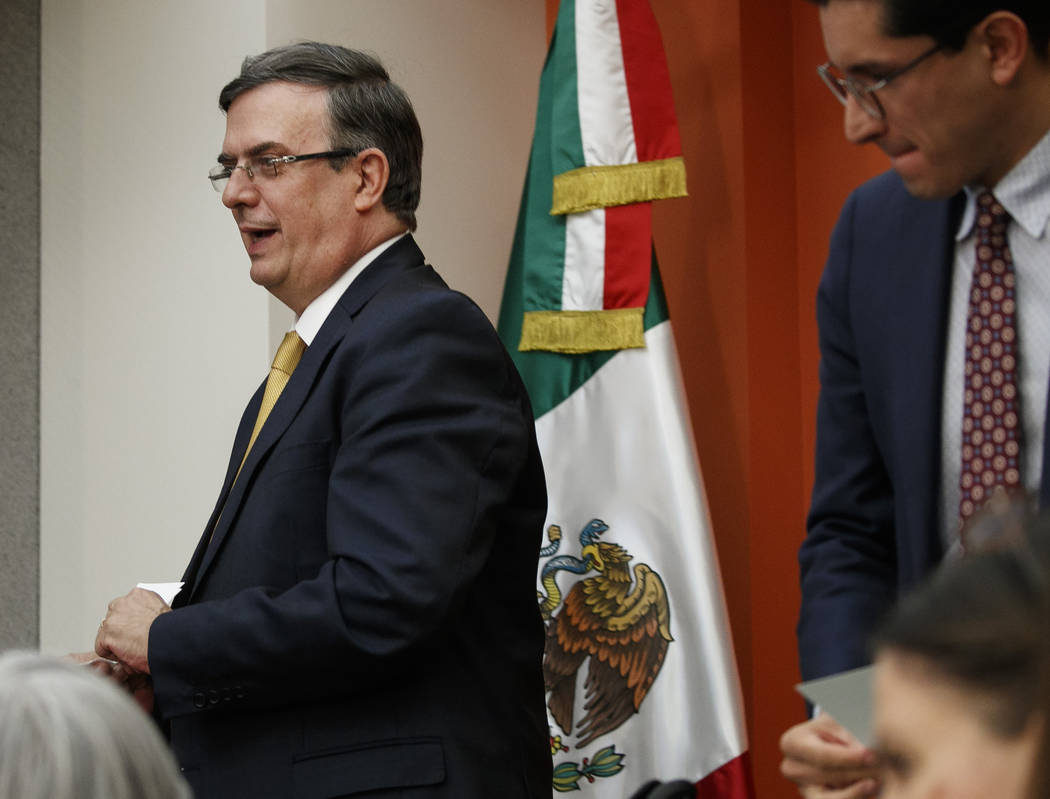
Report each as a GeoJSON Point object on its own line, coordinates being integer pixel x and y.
{"type": "Point", "coordinates": [874, 522]}
{"type": "Point", "coordinates": [363, 620]}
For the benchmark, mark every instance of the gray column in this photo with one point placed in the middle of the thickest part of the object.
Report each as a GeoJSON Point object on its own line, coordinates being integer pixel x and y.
{"type": "Point", "coordinates": [20, 325]}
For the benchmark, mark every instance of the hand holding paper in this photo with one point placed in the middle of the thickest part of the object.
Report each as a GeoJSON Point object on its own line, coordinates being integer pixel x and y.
{"type": "Point", "coordinates": [166, 591]}
{"type": "Point", "coordinates": [124, 633]}
{"type": "Point", "coordinates": [846, 697]}
{"type": "Point", "coordinates": [139, 685]}
{"type": "Point", "coordinates": [825, 760]}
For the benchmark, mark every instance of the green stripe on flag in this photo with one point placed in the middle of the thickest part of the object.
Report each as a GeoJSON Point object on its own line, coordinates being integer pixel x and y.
{"type": "Point", "coordinates": [566, 139]}
{"type": "Point", "coordinates": [537, 261]}
{"type": "Point", "coordinates": [551, 377]}
{"type": "Point", "coordinates": [539, 239]}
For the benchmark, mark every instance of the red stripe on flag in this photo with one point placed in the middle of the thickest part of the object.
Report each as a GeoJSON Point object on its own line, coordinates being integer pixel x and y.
{"type": "Point", "coordinates": [628, 255]}
{"type": "Point", "coordinates": [648, 82]}
{"type": "Point", "coordinates": [730, 781]}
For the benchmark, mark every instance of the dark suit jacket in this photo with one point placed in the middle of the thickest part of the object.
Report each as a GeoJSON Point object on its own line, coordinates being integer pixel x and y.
{"type": "Point", "coordinates": [363, 621]}
{"type": "Point", "coordinates": [874, 522]}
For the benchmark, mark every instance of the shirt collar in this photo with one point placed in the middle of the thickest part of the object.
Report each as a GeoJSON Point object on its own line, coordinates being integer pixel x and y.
{"type": "Point", "coordinates": [1024, 192]}
{"type": "Point", "coordinates": [315, 314]}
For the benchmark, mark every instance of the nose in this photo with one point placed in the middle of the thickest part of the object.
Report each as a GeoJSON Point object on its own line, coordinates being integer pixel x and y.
{"type": "Point", "coordinates": [860, 126]}
{"type": "Point", "coordinates": [239, 190]}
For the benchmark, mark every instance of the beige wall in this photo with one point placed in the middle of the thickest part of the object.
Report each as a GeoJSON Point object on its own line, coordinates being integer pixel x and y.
{"type": "Point", "coordinates": [152, 336]}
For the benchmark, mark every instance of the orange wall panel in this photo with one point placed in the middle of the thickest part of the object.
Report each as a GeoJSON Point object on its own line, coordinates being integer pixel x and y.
{"type": "Point", "coordinates": [775, 498]}
{"type": "Point", "coordinates": [828, 168]}
{"type": "Point", "coordinates": [699, 241]}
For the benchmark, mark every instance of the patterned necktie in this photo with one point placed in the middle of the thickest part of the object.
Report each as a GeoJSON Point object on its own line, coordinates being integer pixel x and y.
{"type": "Point", "coordinates": [991, 439]}
{"type": "Point", "coordinates": [284, 363]}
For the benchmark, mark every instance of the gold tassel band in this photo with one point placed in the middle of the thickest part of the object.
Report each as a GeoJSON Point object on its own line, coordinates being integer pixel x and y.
{"type": "Point", "coordinates": [591, 187]}
{"type": "Point", "coordinates": [583, 331]}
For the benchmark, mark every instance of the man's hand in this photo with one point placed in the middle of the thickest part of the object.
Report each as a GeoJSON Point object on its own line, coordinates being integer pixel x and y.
{"type": "Point", "coordinates": [124, 633]}
{"type": "Point", "coordinates": [106, 668]}
{"type": "Point", "coordinates": [826, 762]}
{"type": "Point", "coordinates": [139, 685]}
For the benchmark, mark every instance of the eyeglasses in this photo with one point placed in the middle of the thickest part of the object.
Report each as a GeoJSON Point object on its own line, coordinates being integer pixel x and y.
{"type": "Point", "coordinates": [265, 167]}
{"type": "Point", "coordinates": [842, 86]}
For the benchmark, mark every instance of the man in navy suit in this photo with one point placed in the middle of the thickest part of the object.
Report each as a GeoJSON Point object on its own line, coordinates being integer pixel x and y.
{"type": "Point", "coordinates": [957, 94]}
{"type": "Point", "coordinates": [360, 615]}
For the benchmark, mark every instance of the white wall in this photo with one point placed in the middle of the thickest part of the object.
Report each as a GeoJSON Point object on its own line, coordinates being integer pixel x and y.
{"type": "Point", "coordinates": [152, 335]}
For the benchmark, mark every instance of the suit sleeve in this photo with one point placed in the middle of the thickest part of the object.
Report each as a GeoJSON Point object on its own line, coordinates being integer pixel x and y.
{"type": "Point", "coordinates": [847, 561]}
{"type": "Point", "coordinates": [434, 433]}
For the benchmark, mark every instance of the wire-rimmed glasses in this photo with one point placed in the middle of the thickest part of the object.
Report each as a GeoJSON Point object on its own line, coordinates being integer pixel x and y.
{"type": "Point", "coordinates": [842, 86]}
{"type": "Point", "coordinates": [266, 166]}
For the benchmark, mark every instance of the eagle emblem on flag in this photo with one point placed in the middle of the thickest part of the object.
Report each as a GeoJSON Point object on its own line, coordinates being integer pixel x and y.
{"type": "Point", "coordinates": [618, 621]}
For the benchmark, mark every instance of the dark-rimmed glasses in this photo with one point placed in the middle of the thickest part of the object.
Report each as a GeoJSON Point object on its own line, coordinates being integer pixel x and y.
{"type": "Point", "coordinates": [842, 86]}
{"type": "Point", "coordinates": [266, 166]}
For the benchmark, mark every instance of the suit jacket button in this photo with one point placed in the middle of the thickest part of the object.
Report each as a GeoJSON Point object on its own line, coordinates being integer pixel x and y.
{"type": "Point", "coordinates": [199, 700]}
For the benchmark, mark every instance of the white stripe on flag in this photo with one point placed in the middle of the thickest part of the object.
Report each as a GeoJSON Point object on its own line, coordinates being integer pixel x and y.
{"type": "Point", "coordinates": [606, 127]}
{"type": "Point", "coordinates": [583, 276]}
{"type": "Point", "coordinates": [620, 449]}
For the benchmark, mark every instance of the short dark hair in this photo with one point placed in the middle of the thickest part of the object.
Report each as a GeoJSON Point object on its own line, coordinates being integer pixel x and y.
{"type": "Point", "coordinates": [949, 22]}
{"type": "Point", "coordinates": [365, 109]}
{"type": "Point", "coordinates": [980, 623]}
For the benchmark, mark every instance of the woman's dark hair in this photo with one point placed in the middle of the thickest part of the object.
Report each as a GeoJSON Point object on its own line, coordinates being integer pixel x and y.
{"type": "Point", "coordinates": [981, 622]}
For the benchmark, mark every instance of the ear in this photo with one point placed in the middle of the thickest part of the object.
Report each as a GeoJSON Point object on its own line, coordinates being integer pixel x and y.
{"type": "Point", "coordinates": [374, 170]}
{"type": "Point", "coordinates": [1004, 39]}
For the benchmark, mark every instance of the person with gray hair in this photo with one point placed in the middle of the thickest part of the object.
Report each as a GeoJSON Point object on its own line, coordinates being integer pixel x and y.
{"type": "Point", "coordinates": [67, 733]}
{"type": "Point", "coordinates": [360, 616]}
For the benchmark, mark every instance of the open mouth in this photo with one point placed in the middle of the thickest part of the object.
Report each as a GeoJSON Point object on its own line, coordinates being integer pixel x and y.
{"type": "Point", "coordinates": [255, 239]}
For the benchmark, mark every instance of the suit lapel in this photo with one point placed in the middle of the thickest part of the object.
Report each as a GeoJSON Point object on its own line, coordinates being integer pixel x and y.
{"type": "Point", "coordinates": [288, 404]}
{"type": "Point", "coordinates": [921, 260]}
{"type": "Point", "coordinates": [240, 443]}
{"type": "Point", "coordinates": [401, 255]}
{"type": "Point", "coordinates": [926, 249]}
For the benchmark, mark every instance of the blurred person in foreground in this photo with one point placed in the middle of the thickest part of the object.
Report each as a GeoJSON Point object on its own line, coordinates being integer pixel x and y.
{"type": "Point", "coordinates": [359, 617]}
{"type": "Point", "coordinates": [960, 664]}
{"type": "Point", "coordinates": [67, 733]}
{"type": "Point", "coordinates": [958, 671]}
{"type": "Point", "coordinates": [934, 320]}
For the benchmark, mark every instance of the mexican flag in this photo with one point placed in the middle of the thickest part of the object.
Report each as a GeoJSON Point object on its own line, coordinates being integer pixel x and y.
{"type": "Point", "coordinates": [639, 667]}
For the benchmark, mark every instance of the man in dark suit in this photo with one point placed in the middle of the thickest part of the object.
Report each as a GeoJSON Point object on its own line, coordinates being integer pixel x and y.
{"type": "Point", "coordinates": [958, 96]}
{"type": "Point", "coordinates": [359, 617]}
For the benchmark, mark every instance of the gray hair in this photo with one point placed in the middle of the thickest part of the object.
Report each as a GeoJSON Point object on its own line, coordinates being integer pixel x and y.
{"type": "Point", "coordinates": [67, 733]}
{"type": "Point", "coordinates": [365, 109]}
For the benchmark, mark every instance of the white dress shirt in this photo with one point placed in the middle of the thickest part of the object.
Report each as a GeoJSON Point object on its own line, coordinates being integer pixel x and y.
{"type": "Point", "coordinates": [1025, 193]}
{"type": "Point", "coordinates": [315, 314]}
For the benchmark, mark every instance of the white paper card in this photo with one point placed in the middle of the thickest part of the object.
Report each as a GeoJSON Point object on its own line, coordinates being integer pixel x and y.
{"type": "Point", "coordinates": [846, 697]}
{"type": "Point", "coordinates": [167, 591]}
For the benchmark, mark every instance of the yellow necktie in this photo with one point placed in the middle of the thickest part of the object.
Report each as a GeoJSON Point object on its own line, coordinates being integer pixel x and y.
{"type": "Point", "coordinates": [284, 363]}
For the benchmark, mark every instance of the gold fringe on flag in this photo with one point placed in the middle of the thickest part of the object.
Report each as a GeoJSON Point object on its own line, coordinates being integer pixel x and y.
{"type": "Point", "coordinates": [591, 187]}
{"type": "Point", "coordinates": [577, 332]}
